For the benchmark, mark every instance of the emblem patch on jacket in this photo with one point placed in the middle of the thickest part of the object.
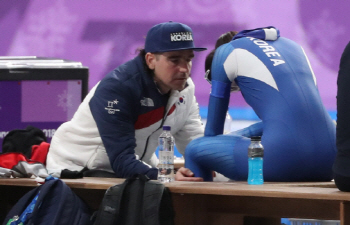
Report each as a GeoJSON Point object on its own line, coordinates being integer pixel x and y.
{"type": "Point", "coordinates": [182, 100]}
{"type": "Point", "coordinates": [147, 102]}
{"type": "Point", "coordinates": [110, 106]}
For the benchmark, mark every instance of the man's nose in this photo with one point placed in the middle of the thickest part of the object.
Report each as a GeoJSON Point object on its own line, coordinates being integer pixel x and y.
{"type": "Point", "coordinates": [184, 67]}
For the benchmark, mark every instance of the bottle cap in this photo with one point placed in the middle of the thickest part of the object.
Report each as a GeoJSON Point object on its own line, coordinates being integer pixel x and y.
{"type": "Point", "coordinates": [255, 138]}
{"type": "Point", "coordinates": [166, 128]}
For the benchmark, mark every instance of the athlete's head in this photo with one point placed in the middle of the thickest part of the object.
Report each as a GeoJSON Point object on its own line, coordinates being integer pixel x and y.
{"type": "Point", "coordinates": [223, 39]}
{"type": "Point", "coordinates": [168, 53]}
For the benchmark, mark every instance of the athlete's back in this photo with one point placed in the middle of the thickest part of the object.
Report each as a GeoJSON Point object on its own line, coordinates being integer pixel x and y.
{"type": "Point", "coordinates": [281, 88]}
{"type": "Point", "coordinates": [276, 80]}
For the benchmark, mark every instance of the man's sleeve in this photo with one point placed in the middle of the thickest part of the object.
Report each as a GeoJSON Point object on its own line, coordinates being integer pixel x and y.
{"type": "Point", "coordinates": [113, 107]}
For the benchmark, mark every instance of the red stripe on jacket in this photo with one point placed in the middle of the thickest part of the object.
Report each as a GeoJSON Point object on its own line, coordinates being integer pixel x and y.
{"type": "Point", "coordinates": [152, 117]}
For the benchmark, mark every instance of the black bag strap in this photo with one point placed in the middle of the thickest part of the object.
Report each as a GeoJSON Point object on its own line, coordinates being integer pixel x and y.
{"type": "Point", "coordinates": [138, 200]}
{"type": "Point", "coordinates": [110, 207]}
{"type": "Point", "coordinates": [132, 201]}
{"type": "Point", "coordinates": [151, 202]}
{"type": "Point", "coordinates": [158, 208]}
{"type": "Point", "coordinates": [109, 211]}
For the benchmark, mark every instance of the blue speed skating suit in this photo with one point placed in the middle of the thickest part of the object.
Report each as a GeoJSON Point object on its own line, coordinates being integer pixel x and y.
{"type": "Point", "coordinates": [277, 81]}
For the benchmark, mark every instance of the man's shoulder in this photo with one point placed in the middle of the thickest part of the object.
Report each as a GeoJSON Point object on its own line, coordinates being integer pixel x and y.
{"type": "Point", "coordinates": [133, 69]}
{"type": "Point", "coordinates": [129, 72]}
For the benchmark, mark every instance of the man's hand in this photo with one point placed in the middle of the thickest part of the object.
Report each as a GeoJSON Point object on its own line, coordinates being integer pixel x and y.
{"type": "Point", "coordinates": [184, 174]}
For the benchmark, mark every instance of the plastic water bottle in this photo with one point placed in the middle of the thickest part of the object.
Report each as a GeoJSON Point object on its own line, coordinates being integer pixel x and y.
{"type": "Point", "coordinates": [255, 161]}
{"type": "Point", "coordinates": [166, 156]}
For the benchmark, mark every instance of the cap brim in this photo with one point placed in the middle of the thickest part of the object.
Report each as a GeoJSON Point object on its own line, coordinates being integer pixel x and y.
{"type": "Point", "coordinates": [199, 49]}
{"type": "Point", "coordinates": [179, 49]}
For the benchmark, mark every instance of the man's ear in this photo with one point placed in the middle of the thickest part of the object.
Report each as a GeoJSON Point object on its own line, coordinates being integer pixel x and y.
{"type": "Point", "coordinates": [150, 60]}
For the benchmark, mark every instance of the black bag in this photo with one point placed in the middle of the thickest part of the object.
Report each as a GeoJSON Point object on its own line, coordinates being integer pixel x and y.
{"type": "Point", "coordinates": [137, 201]}
{"type": "Point", "coordinates": [56, 204]}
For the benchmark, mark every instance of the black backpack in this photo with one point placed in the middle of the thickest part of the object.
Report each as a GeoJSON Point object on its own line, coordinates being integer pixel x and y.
{"type": "Point", "coordinates": [137, 201]}
{"type": "Point", "coordinates": [56, 204]}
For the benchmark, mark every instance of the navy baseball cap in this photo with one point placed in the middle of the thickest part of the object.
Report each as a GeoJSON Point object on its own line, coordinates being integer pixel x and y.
{"type": "Point", "coordinates": [170, 36]}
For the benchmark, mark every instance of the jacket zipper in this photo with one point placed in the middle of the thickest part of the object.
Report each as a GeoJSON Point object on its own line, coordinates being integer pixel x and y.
{"type": "Point", "coordinates": [161, 125]}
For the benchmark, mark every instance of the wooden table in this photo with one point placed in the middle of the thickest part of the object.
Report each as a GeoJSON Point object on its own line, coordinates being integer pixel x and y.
{"type": "Point", "coordinates": [211, 203]}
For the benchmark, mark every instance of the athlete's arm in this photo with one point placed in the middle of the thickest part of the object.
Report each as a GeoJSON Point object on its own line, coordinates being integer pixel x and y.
{"type": "Point", "coordinates": [220, 93]}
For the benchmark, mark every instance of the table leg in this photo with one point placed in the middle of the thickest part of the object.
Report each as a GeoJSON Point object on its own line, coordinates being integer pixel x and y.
{"type": "Point", "coordinates": [344, 213]}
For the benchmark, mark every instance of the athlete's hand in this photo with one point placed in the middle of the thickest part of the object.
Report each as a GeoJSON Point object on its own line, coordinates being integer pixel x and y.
{"type": "Point", "coordinates": [184, 174]}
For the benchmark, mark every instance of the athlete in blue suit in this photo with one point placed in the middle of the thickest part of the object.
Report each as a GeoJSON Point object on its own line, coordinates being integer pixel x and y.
{"type": "Point", "coordinates": [277, 81]}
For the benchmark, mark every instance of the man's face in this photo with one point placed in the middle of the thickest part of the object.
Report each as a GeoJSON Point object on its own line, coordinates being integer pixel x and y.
{"type": "Point", "coordinates": [171, 69]}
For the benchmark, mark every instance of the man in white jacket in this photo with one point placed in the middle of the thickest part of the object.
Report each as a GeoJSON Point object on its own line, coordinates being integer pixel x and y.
{"type": "Point", "coordinates": [116, 127]}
